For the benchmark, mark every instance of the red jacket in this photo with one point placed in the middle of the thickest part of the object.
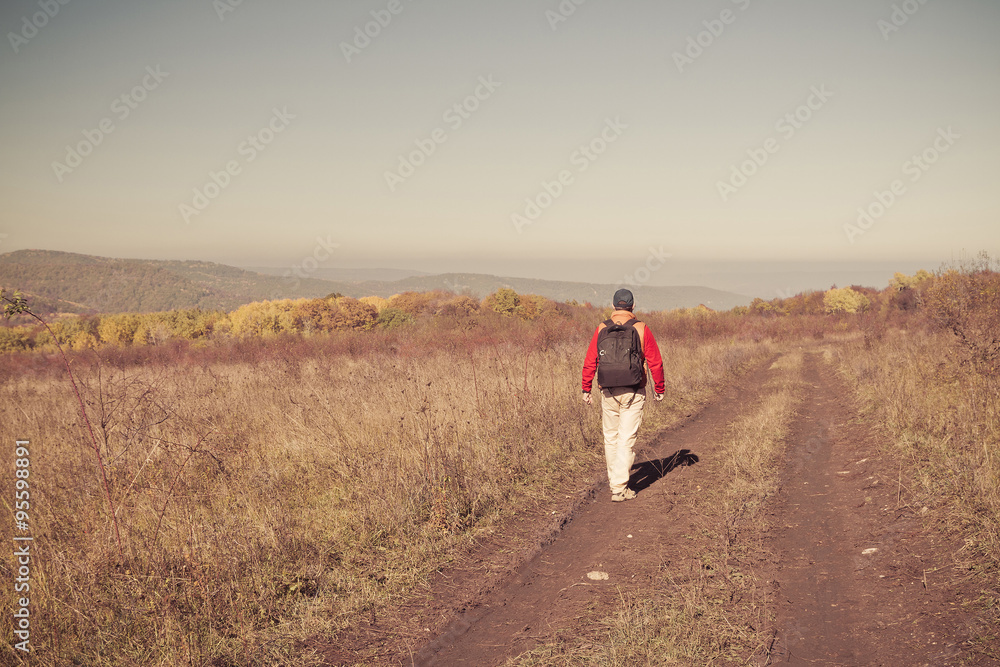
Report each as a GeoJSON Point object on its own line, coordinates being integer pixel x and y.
{"type": "Point", "coordinates": [649, 349]}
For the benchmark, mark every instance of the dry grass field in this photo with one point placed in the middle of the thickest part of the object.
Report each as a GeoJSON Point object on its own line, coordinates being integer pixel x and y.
{"type": "Point", "coordinates": [269, 491]}
{"type": "Point", "coordinates": [297, 486]}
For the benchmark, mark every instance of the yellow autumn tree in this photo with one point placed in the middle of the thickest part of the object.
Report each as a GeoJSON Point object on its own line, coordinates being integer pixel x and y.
{"type": "Point", "coordinates": [901, 281]}
{"type": "Point", "coordinates": [504, 301]}
{"type": "Point", "coordinates": [845, 300]}
{"type": "Point", "coordinates": [260, 318]}
{"type": "Point", "coordinates": [118, 329]}
{"type": "Point", "coordinates": [377, 302]}
{"type": "Point", "coordinates": [15, 339]}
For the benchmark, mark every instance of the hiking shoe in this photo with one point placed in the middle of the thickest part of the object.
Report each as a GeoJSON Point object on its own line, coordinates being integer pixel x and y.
{"type": "Point", "coordinates": [627, 494]}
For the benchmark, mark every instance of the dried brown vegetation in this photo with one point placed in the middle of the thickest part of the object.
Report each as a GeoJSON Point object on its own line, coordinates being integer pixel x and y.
{"type": "Point", "coordinates": [270, 490]}
{"type": "Point", "coordinates": [934, 389]}
{"type": "Point", "coordinates": [273, 488]}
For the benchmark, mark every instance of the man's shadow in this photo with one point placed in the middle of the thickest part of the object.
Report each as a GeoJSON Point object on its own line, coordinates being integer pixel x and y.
{"type": "Point", "coordinates": [646, 473]}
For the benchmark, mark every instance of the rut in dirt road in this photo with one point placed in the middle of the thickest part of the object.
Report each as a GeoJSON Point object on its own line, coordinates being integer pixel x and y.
{"type": "Point", "coordinates": [817, 621]}
{"type": "Point", "coordinates": [628, 542]}
{"type": "Point", "coordinates": [858, 578]}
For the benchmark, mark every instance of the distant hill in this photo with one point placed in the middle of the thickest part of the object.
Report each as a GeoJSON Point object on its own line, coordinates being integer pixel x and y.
{"type": "Point", "coordinates": [68, 282]}
{"type": "Point", "coordinates": [344, 275]}
{"type": "Point", "coordinates": [479, 285]}
{"type": "Point", "coordinates": [73, 283]}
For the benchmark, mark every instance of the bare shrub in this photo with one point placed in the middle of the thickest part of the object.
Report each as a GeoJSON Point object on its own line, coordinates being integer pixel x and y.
{"type": "Point", "coordinates": [965, 302]}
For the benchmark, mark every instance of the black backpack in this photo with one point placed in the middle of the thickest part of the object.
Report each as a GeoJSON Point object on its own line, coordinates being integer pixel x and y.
{"type": "Point", "coordinates": [620, 362]}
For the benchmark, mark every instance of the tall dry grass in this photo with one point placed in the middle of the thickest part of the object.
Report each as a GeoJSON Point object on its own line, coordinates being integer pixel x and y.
{"type": "Point", "coordinates": [942, 415]}
{"type": "Point", "coordinates": [286, 490]}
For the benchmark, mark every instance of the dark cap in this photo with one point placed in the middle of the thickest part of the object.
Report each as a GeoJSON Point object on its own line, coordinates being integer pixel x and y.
{"type": "Point", "coordinates": [623, 300]}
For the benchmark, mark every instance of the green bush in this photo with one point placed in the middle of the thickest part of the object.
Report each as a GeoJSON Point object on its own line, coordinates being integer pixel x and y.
{"type": "Point", "coordinates": [391, 318]}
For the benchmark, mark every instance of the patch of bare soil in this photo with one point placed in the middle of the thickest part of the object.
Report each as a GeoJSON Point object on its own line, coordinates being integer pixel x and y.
{"type": "Point", "coordinates": [833, 600]}
{"type": "Point", "coordinates": [860, 577]}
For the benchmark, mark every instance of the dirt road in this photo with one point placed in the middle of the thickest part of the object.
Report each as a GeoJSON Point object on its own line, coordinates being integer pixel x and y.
{"type": "Point", "coordinates": [851, 571]}
{"type": "Point", "coordinates": [858, 579]}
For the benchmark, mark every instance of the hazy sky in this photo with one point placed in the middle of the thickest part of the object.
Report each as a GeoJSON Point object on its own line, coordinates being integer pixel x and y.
{"type": "Point", "coordinates": [474, 133]}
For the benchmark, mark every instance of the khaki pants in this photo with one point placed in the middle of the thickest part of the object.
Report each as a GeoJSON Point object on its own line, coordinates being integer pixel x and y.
{"type": "Point", "coordinates": [621, 413]}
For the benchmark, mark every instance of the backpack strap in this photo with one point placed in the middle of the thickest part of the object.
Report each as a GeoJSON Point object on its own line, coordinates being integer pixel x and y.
{"type": "Point", "coordinates": [642, 331]}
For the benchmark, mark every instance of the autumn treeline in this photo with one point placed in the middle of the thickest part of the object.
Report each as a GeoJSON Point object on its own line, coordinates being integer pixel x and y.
{"type": "Point", "coordinates": [267, 318]}
{"type": "Point", "coordinates": [959, 299]}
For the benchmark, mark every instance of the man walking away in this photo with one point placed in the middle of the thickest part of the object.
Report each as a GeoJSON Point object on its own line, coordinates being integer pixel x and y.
{"type": "Point", "coordinates": [618, 354]}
